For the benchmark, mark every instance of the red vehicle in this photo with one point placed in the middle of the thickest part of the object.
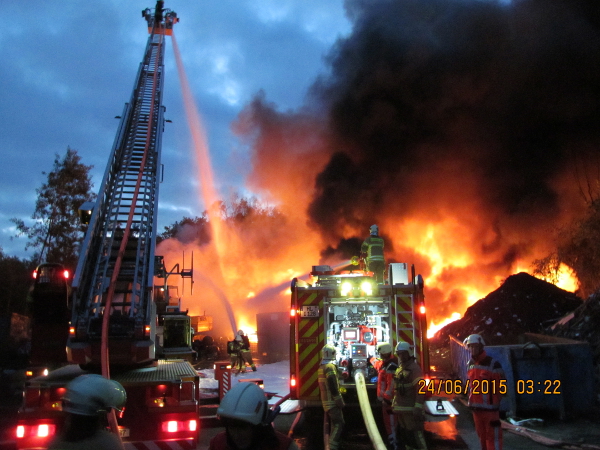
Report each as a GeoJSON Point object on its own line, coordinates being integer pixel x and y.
{"type": "Point", "coordinates": [49, 309]}
{"type": "Point", "coordinates": [161, 405]}
{"type": "Point", "coordinates": [350, 311]}
{"type": "Point", "coordinates": [114, 280]}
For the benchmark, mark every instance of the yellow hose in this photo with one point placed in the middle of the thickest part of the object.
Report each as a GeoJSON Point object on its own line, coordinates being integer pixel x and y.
{"type": "Point", "coordinates": [365, 407]}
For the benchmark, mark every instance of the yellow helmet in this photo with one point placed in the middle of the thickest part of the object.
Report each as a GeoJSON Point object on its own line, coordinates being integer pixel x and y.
{"type": "Point", "coordinates": [328, 353]}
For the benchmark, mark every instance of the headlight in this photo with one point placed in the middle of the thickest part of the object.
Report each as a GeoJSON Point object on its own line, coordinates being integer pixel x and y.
{"type": "Point", "coordinates": [346, 288]}
{"type": "Point", "coordinates": [367, 287]}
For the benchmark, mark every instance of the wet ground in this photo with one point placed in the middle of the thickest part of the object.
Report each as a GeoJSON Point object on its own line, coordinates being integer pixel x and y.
{"type": "Point", "coordinates": [455, 433]}
{"type": "Point", "coordinates": [582, 433]}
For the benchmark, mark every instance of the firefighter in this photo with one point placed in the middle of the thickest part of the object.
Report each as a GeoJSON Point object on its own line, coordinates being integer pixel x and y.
{"type": "Point", "coordinates": [331, 398]}
{"type": "Point", "coordinates": [86, 401]}
{"type": "Point", "coordinates": [386, 366]}
{"type": "Point", "coordinates": [408, 403]}
{"type": "Point", "coordinates": [372, 253]}
{"type": "Point", "coordinates": [485, 408]}
{"type": "Point", "coordinates": [233, 350]}
{"type": "Point", "coordinates": [245, 354]}
{"type": "Point", "coordinates": [248, 419]}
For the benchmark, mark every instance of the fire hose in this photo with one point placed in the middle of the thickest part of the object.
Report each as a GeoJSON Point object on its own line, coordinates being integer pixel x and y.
{"type": "Point", "coordinates": [365, 407]}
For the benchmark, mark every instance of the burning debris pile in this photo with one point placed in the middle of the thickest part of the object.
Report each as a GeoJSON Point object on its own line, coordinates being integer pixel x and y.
{"type": "Point", "coordinates": [584, 325]}
{"type": "Point", "coordinates": [522, 304]}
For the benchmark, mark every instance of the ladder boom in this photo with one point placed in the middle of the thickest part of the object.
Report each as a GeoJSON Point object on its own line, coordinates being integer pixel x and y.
{"type": "Point", "coordinates": [115, 270]}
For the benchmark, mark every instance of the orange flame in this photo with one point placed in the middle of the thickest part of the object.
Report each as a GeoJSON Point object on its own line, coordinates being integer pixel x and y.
{"type": "Point", "coordinates": [453, 247]}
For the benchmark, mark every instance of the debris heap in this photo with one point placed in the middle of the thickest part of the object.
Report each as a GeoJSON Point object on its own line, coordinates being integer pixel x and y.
{"type": "Point", "coordinates": [584, 325]}
{"type": "Point", "coordinates": [522, 304]}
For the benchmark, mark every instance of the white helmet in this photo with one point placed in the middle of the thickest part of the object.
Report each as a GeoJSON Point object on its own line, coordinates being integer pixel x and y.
{"type": "Point", "coordinates": [241, 332]}
{"type": "Point", "coordinates": [246, 402]}
{"type": "Point", "coordinates": [328, 353]}
{"type": "Point", "coordinates": [473, 339]}
{"type": "Point", "coordinates": [374, 230]}
{"type": "Point", "coordinates": [87, 395]}
{"type": "Point", "coordinates": [384, 348]}
{"type": "Point", "coordinates": [402, 347]}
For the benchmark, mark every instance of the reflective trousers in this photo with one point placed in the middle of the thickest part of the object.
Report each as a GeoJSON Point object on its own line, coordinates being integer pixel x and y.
{"type": "Point", "coordinates": [488, 428]}
{"type": "Point", "coordinates": [389, 421]}
{"type": "Point", "coordinates": [410, 432]}
{"type": "Point", "coordinates": [336, 426]}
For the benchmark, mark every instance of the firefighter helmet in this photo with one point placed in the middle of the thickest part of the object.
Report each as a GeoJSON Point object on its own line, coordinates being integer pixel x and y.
{"type": "Point", "coordinates": [328, 353]}
{"type": "Point", "coordinates": [402, 347]}
{"type": "Point", "coordinates": [384, 348]}
{"type": "Point", "coordinates": [246, 402]}
{"type": "Point", "coordinates": [374, 230]}
{"type": "Point", "coordinates": [241, 332]}
{"type": "Point", "coordinates": [473, 339]}
{"type": "Point", "coordinates": [87, 395]}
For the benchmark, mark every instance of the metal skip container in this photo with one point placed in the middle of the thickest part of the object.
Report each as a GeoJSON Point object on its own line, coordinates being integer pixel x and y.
{"type": "Point", "coordinates": [545, 374]}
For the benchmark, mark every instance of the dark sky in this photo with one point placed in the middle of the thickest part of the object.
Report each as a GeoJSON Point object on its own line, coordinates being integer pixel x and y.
{"type": "Point", "coordinates": [464, 128]}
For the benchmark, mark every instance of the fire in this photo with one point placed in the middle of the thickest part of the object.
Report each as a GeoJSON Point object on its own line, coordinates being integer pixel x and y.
{"type": "Point", "coordinates": [435, 327]}
{"type": "Point", "coordinates": [437, 203]}
{"type": "Point", "coordinates": [249, 327]}
{"type": "Point", "coordinates": [567, 280]}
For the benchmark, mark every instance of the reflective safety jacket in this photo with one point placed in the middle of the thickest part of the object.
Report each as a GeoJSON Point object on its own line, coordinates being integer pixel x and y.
{"type": "Point", "coordinates": [245, 345]}
{"type": "Point", "coordinates": [408, 380]}
{"type": "Point", "coordinates": [372, 247]}
{"type": "Point", "coordinates": [385, 378]}
{"type": "Point", "coordinates": [484, 374]}
{"type": "Point", "coordinates": [328, 385]}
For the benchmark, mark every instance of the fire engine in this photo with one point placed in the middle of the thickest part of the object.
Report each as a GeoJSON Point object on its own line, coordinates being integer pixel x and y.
{"type": "Point", "coordinates": [348, 309]}
{"type": "Point", "coordinates": [48, 305]}
{"type": "Point", "coordinates": [113, 309]}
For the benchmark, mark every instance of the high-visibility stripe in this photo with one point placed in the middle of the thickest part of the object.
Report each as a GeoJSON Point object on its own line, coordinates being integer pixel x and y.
{"type": "Point", "coordinates": [310, 341]}
{"type": "Point", "coordinates": [394, 321]}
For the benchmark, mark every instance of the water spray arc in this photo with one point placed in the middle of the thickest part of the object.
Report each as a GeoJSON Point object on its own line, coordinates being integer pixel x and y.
{"type": "Point", "coordinates": [206, 176]}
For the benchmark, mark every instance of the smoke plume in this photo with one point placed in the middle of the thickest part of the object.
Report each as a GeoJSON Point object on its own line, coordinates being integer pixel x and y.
{"type": "Point", "coordinates": [454, 125]}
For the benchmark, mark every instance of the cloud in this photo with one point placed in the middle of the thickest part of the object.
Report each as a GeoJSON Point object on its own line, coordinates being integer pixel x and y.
{"type": "Point", "coordinates": [68, 70]}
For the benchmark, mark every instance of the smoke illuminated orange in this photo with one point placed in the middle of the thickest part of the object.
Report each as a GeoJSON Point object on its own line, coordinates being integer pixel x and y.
{"type": "Point", "coordinates": [462, 250]}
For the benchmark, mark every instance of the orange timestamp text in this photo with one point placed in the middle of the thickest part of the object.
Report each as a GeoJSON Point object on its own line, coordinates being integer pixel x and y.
{"type": "Point", "coordinates": [458, 387]}
{"type": "Point", "coordinates": [551, 387]}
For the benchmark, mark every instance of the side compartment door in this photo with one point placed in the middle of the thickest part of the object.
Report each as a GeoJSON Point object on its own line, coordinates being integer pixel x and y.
{"type": "Point", "coordinates": [308, 341]}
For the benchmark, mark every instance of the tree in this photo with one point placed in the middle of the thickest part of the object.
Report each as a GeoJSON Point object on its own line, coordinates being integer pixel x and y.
{"type": "Point", "coordinates": [196, 226]}
{"type": "Point", "coordinates": [239, 212]}
{"type": "Point", "coordinates": [578, 244]}
{"type": "Point", "coordinates": [56, 232]}
{"type": "Point", "coordinates": [579, 248]}
{"type": "Point", "coordinates": [16, 277]}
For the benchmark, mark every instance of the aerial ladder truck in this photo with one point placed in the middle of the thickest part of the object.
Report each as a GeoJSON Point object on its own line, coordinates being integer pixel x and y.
{"type": "Point", "coordinates": [114, 315]}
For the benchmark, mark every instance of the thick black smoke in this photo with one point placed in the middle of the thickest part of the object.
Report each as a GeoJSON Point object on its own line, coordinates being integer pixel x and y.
{"type": "Point", "coordinates": [433, 102]}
